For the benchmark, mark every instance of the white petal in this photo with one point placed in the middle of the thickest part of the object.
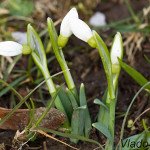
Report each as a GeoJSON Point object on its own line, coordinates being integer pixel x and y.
{"type": "Point", "coordinates": [10, 48]}
{"type": "Point", "coordinates": [20, 37]}
{"type": "Point", "coordinates": [116, 50]}
{"type": "Point", "coordinates": [64, 28]}
{"type": "Point", "coordinates": [80, 29]}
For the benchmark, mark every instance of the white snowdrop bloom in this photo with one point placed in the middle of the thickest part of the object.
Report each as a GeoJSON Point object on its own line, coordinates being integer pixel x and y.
{"type": "Point", "coordinates": [116, 52]}
{"type": "Point", "coordinates": [10, 48]}
{"type": "Point", "coordinates": [65, 31]}
{"type": "Point", "coordinates": [82, 31]}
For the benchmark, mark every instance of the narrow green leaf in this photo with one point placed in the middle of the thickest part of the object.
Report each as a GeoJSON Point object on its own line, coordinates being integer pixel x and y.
{"type": "Point", "coordinates": [102, 128]}
{"type": "Point", "coordinates": [104, 53]}
{"type": "Point", "coordinates": [147, 59]}
{"type": "Point", "coordinates": [104, 113]}
{"type": "Point", "coordinates": [99, 102]}
{"type": "Point", "coordinates": [82, 112]}
{"type": "Point", "coordinates": [14, 83]}
{"type": "Point", "coordinates": [35, 43]}
{"type": "Point", "coordinates": [72, 99]}
{"type": "Point", "coordinates": [87, 121]}
{"type": "Point", "coordinates": [66, 103]}
{"type": "Point", "coordinates": [139, 78]}
{"type": "Point", "coordinates": [75, 120]}
{"type": "Point", "coordinates": [10, 67]}
{"type": "Point", "coordinates": [75, 124]}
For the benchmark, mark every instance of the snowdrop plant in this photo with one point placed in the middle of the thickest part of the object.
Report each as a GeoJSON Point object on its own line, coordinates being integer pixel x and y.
{"type": "Point", "coordinates": [108, 104]}
{"type": "Point", "coordinates": [79, 117]}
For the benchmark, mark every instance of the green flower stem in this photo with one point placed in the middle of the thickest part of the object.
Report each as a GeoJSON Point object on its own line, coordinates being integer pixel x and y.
{"type": "Point", "coordinates": [60, 58]}
{"type": "Point", "coordinates": [112, 106]}
{"type": "Point", "coordinates": [67, 75]}
{"type": "Point", "coordinates": [52, 91]}
{"type": "Point", "coordinates": [109, 145]}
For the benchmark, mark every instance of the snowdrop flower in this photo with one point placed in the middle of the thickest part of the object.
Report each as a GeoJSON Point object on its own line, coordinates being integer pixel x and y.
{"type": "Point", "coordinates": [10, 48]}
{"type": "Point", "coordinates": [65, 31]}
{"type": "Point", "coordinates": [116, 52]}
{"type": "Point", "coordinates": [82, 31]}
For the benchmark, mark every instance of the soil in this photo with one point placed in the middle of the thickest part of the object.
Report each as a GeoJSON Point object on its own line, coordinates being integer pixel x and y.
{"type": "Point", "coordinates": [86, 67]}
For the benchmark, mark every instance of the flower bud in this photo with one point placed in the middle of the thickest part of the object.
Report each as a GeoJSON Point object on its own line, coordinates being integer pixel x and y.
{"type": "Point", "coordinates": [82, 31]}
{"type": "Point", "coordinates": [26, 49]}
{"type": "Point", "coordinates": [10, 48]}
{"type": "Point", "coordinates": [116, 51]}
{"type": "Point", "coordinates": [65, 31]}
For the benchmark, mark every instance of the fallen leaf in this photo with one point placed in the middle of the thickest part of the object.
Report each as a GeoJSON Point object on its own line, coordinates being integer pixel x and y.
{"type": "Point", "coordinates": [21, 118]}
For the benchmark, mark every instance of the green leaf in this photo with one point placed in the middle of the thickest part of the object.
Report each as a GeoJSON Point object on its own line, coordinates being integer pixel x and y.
{"type": "Point", "coordinates": [147, 59]}
{"type": "Point", "coordinates": [72, 99]}
{"type": "Point", "coordinates": [20, 7]}
{"type": "Point", "coordinates": [139, 78]}
{"type": "Point", "coordinates": [99, 102]}
{"type": "Point", "coordinates": [102, 128]}
{"type": "Point", "coordinates": [85, 113]}
{"type": "Point", "coordinates": [75, 124]}
{"type": "Point", "coordinates": [104, 53]}
{"type": "Point", "coordinates": [103, 113]}
{"type": "Point", "coordinates": [66, 103]}
{"type": "Point", "coordinates": [35, 43]}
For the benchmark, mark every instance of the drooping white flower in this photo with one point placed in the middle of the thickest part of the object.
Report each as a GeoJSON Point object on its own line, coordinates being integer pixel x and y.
{"type": "Point", "coordinates": [65, 31]}
{"type": "Point", "coordinates": [116, 52]}
{"type": "Point", "coordinates": [10, 48]}
{"type": "Point", "coordinates": [82, 31]}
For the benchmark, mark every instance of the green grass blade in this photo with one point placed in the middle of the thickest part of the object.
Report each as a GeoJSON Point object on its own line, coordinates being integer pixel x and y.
{"type": "Point", "coordinates": [5, 90]}
{"type": "Point", "coordinates": [10, 67]}
{"type": "Point", "coordinates": [147, 59]}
